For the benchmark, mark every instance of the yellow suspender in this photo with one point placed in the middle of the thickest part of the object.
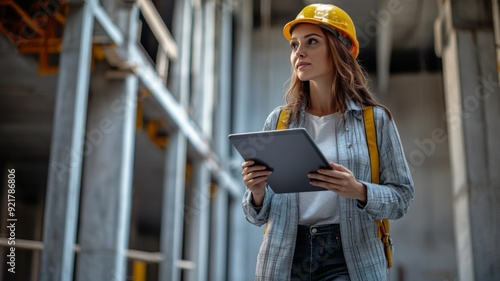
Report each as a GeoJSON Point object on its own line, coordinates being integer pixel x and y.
{"type": "Point", "coordinates": [371, 139]}
{"type": "Point", "coordinates": [281, 125]}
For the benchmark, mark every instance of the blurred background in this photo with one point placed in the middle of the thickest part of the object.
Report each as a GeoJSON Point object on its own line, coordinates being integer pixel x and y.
{"type": "Point", "coordinates": [114, 118]}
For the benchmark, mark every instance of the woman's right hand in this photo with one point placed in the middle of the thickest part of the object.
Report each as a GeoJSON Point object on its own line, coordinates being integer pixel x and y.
{"type": "Point", "coordinates": [254, 177]}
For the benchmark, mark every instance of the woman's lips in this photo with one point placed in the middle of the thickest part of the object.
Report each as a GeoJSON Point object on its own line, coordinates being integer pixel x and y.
{"type": "Point", "coordinates": [301, 65]}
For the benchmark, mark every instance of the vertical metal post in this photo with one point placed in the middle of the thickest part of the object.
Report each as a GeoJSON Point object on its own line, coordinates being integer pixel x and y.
{"type": "Point", "coordinates": [63, 188]}
{"type": "Point", "coordinates": [197, 222]}
{"type": "Point", "coordinates": [196, 100]}
{"type": "Point", "coordinates": [172, 227]}
{"type": "Point", "coordinates": [219, 243]}
{"type": "Point", "coordinates": [202, 192]}
{"type": "Point", "coordinates": [173, 207]}
{"type": "Point", "coordinates": [238, 264]}
{"type": "Point", "coordinates": [199, 197]}
{"type": "Point", "coordinates": [207, 74]}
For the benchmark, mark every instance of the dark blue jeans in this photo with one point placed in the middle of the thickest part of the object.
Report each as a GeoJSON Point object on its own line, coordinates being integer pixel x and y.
{"type": "Point", "coordinates": [319, 255]}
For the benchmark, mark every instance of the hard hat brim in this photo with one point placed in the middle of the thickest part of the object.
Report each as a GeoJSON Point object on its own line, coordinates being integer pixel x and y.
{"type": "Point", "coordinates": [287, 31]}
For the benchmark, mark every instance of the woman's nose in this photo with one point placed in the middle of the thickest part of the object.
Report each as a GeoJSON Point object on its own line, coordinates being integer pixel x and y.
{"type": "Point", "coordinates": [300, 52]}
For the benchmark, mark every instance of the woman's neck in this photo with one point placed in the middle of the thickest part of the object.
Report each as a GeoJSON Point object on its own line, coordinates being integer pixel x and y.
{"type": "Point", "coordinates": [321, 101]}
{"type": "Point", "coordinates": [320, 111]}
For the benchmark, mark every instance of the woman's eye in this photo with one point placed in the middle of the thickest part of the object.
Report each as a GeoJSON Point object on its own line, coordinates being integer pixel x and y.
{"type": "Point", "coordinates": [311, 41]}
{"type": "Point", "coordinates": [294, 45]}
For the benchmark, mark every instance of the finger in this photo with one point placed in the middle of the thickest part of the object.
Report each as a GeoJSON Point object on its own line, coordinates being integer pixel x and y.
{"type": "Point", "coordinates": [253, 169]}
{"type": "Point", "coordinates": [258, 179]}
{"type": "Point", "coordinates": [250, 164]}
{"type": "Point", "coordinates": [334, 181]}
{"type": "Point", "coordinates": [323, 184]}
{"type": "Point", "coordinates": [319, 177]}
{"type": "Point", "coordinates": [338, 167]}
{"type": "Point", "coordinates": [247, 163]}
{"type": "Point", "coordinates": [256, 174]}
{"type": "Point", "coordinates": [255, 181]}
{"type": "Point", "coordinates": [326, 182]}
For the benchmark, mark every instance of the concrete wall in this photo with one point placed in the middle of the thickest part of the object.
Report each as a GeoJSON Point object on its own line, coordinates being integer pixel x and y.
{"type": "Point", "coordinates": [424, 238]}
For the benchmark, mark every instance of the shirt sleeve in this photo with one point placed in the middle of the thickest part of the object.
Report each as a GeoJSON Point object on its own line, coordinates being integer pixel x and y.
{"type": "Point", "coordinates": [392, 197]}
{"type": "Point", "coordinates": [257, 216]}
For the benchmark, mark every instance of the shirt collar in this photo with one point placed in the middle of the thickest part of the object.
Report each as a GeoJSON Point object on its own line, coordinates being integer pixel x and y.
{"type": "Point", "coordinates": [354, 107]}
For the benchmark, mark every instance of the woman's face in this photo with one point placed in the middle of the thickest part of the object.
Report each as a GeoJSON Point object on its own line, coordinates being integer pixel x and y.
{"type": "Point", "coordinates": [309, 56]}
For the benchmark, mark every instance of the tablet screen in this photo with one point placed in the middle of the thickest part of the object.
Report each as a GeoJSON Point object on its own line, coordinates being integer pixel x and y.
{"type": "Point", "coordinates": [290, 154]}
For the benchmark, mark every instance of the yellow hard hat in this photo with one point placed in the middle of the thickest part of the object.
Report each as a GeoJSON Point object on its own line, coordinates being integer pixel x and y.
{"type": "Point", "coordinates": [330, 17]}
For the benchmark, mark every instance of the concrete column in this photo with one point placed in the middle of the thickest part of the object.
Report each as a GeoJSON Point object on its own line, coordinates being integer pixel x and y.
{"type": "Point", "coordinates": [107, 181]}
{"type": "Point", "coordinates": [108, 169]}
{"type": "Point", "coordinates": [63, 187]}
{"type": "Point", "coordinates": [473, 111]}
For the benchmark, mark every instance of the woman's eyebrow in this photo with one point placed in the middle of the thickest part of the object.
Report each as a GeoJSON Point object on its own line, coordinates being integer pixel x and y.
{"type": "Point", "coordinates": [307, 36]}
{"type": "Point", "coordinates": [312, 34]}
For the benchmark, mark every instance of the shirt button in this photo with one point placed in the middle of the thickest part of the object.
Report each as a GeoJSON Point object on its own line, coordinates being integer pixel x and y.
{"type": "Point", "coordinates": [349, 145]}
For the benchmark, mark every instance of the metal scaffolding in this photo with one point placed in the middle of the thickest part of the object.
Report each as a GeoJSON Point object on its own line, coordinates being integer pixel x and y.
{"type": "Point", "coordinates": [107, 90]}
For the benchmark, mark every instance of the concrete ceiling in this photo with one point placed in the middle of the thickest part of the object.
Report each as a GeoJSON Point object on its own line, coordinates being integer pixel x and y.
{"type": "Point", "coordinates": [27, 107]}
{"type": "Point", "coordinates": [28, 98]}
{"type": "Point", "coordinates": [404, 27]}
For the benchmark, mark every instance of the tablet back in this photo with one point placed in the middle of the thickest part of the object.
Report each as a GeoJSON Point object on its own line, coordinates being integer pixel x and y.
{"type": "Point", "coordinates": [290, 154]}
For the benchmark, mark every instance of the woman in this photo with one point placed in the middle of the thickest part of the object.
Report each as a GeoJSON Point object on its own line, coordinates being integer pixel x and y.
{"type": "Point", "coordinates": [332, 234]}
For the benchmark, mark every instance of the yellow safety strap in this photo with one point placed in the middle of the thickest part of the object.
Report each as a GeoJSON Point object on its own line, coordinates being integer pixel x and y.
{"type": "Point", "coordinates": [282, 119]}
{"type": "Point", "coordinates": [371, 139]}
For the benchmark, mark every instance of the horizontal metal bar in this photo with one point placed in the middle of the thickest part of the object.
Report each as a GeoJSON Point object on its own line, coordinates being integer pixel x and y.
{"type": "Point", "coordinates": [144, 256]}
{"type": "Point", "coordinates": [150, 257]}
{"type": "Point", "coordinates": [22, 244]}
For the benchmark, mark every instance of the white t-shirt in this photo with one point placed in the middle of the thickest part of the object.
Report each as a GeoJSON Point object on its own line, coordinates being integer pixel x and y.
{"type": "Point", "coordinates": [321, 207]}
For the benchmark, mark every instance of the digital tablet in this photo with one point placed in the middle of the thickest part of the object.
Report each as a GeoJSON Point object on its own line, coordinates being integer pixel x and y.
{"type": "Point", "coordinates": [290, 154]}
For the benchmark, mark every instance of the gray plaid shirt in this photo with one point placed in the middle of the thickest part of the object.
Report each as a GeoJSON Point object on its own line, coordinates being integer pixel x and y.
{"type": "Point", "coordinates": [391, 199]}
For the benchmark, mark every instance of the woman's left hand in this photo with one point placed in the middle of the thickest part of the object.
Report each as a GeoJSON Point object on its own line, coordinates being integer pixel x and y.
{"type": "Point", "coordinates": [339, 180]}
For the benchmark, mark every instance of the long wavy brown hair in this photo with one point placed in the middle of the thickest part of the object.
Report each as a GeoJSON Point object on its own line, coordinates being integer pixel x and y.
{"type": "Point", "coordinates": [350, 80]}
